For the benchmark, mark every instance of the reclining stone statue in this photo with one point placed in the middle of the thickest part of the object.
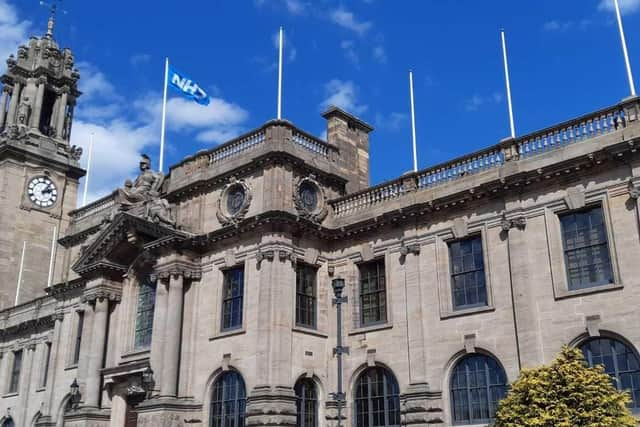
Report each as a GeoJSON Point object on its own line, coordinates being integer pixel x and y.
{"type": "Point", "coordinates": [142, 196]}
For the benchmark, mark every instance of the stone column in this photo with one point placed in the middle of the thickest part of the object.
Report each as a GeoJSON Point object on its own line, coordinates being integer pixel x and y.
{"type": "Point", "coordinates": [37, 108]}
{"type": "Point", "coordinates": [173, 329]}
{"type": "Point", "coordinates": [13, 104]}
{"type": "Point", "coordinates": [62, 108]}
{"type": "Point", "coordinates": [158, 332]}
{"type": "Point", "coordinates": [96, 351]}
{"type": "Point", "coordinates": [58, 317]}
{"type": "Point", "coordinates": [3, 105]}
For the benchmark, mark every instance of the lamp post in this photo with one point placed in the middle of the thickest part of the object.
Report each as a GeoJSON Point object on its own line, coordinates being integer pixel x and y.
{"type": "Point", "coordinates": [147, 381]}
{"type": "Point", "coordinates": [339, 396]}
{"type": "Point", "coordinates": [75, 394]}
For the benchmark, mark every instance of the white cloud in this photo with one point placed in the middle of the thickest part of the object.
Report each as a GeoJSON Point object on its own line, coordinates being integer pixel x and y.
{"type": "Point", "coordinates": [348, 47]}
{"type": "Point", "coordinates": [343, 94]}
{"type": "Point", "coordinates": [626, 6]}
{"type": "Point", "coordinates": [13, 30]}
{"type": "Point", "coordinates": [288, 47]}
{"type": "Point", "coordinates": [476, 101]}
{"type": "Point", "coordinates": [380, 54]}
{"type": "Point", "coordinates": [294, 7]}
{"type": "Point", "coordinates": [391, 122]}
{"type": "Point", "coordinates": [123, 130]}
{"type": "Point", "coordinates": [560, 26]}
{"type": "Point", "coordinates": [346, 19]}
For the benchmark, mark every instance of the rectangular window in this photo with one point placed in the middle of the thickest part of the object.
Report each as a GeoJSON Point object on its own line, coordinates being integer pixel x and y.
{"type": "Point", "coordinates": [373, 293]}
{"type": "Point", "coordinates": [14, 381]}
{"type": "Point", "coordinates": [144, 314]}
{"type": "Point", "coordinates": [45, 370]}
{"type": "Point", "coordinates": [306, 295]}
{"type": "Point", "coordinates": [586, 250]}
{"type": "Point", "coordinates": [232, 297]}
{"type": "Point", "coordinates": [467, 273]}
{"type": "Point", "coordinates": [78, 343]}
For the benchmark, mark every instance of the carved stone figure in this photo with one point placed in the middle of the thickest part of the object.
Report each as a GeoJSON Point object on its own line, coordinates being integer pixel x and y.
{"type": "Point", "coordinates": [24, 111]}
{"type": "Point", "coordinates": [146, 186]}
{"type": "Point", "coordinates": [142, 196]}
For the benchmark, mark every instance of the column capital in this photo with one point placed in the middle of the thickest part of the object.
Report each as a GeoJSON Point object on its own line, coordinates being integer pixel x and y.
{"type": "Point", "coordinates": [177, 265]}
{"type": "Point", "coordinates": [65, 90]}
{"type": "Point", "coordinates": [42, 80]}
{"type": "Point", "coordinates": [101, 289]}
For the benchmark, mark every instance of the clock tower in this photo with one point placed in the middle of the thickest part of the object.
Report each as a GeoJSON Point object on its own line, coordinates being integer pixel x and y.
{"type": "Point", "coordinates": [39, 169]}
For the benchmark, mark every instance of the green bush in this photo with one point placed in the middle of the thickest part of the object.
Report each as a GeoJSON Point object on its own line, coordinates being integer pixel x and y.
{"type": "Point", "coordinates": [567, 393]}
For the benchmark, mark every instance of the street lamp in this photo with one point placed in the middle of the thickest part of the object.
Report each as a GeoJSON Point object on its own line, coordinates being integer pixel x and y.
{"type": "Point", "coordinates": [147, 381]}
{"type": "Point", "coordinates": [75, 394]}
{"type": "Point", "coordinates": [339, 396]}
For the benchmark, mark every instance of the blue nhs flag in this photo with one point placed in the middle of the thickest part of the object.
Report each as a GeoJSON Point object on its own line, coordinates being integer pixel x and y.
{"type": "Point", "coordinates": [187, 87]}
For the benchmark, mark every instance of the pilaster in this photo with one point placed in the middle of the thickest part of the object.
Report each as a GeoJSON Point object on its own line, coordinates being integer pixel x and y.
{"type": "Point", "coordinates": [3, 105]}
{"type": "Point", "coordinates": [13, 103]}
{"type": "Point", "coordinates": [62, 109]}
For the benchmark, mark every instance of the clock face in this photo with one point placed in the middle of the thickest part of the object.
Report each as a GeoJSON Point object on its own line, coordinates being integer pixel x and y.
{"type": "Point", "coordinates": [42, 192]}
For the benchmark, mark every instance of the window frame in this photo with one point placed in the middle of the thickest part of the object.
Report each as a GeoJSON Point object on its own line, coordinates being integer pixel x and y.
{"type": "Point", "coordinates": [386, 396]}
{"type": "Point", "coordinates": [584, 210]}
{"type": "Point", "coordinates": [616, 375]}
{"type": "Point", "coordinates": [240, 413]}
{"type": "Point", "coordinates": [302, 401]}
{"type": "Point", "coordinates": [381, 321]}
{"type": "Point", "coordinates": [77, 342]}
{"type": "Point", "coordinates": [302, 295]}
{"type": "Point", "coordinates": [555, 245]}
{"type": "Point", "coordinates": [487, 388]}
{"type": "Point", "coordinates": [47, 364]}
{"type": "Point", "coordinates": [15, 377]}
{"type": "Point", "coordinates": [443, 269]}
{"type": "Point", "coordinates": [223, 300]}
{"type": "Point", "coordinates": [452, 275]}
{"type": "Point", "coordinates": [150, 284]}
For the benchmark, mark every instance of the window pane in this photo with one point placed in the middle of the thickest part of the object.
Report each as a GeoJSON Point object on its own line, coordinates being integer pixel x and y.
{"type": "Point", "coordinates": [306, 403]}
{"type": "Point", "coordinates": [467, 273]}
{"type": "Point", "coordinates": [306, 296]}
{"type": "Point", "coordinates": [376, 400]}
{"type": "Point", "coordinates": [144, 313]}
{"type": "Point", "coordinates": [620, 362]}
{"type": "Point", "coordinates": [477, 384]}
{"type": "Point", "coordinates": [228, 398]}
{"type": "Point", "coordinates": [373, 301]}
{"type": "Point", "coordinates": [586, 249]}
{"type": "Point", "coordinates": [232, 298]}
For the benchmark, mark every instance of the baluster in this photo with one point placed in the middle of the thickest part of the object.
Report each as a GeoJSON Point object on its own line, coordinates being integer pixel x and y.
{"type": "Point", "coordinates": [571, 135]}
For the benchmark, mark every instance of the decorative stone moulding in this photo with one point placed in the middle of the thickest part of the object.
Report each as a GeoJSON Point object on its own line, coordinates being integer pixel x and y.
{"type": "Point", "coordinates": [309, 199]}
{"type": "Point", "coordinates": [234, 202]}
{"type": "Point", "coordinates": [634, 188]}
{"type": "Point", "coordinates": [507, 224]}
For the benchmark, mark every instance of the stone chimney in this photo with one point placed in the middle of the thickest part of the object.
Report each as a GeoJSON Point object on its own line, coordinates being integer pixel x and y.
{"type": "Point", "coordinates": [351, 136]}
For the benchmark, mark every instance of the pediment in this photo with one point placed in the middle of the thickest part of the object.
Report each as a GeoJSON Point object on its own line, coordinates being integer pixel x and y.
{"type": "Point", "coordinates": [120, 242]}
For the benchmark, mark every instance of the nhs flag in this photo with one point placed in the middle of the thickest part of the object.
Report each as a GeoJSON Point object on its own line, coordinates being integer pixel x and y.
{"type": "Point", "coordinates": [187, 87]}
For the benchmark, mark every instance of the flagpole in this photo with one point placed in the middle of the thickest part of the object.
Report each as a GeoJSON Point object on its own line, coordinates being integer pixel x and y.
{"type": "Point", "coordinates": [164, 113]}
{"type": "Point", "coordinates": [413, 123]}
{"type": "Point", "coordinates": [280, 75]}
{"type": "Point", "coordinates": [86, 178]}
{"type": "Point", "coordinates": [506, 76]}
{"type": "Point", "coordinates": [623, 40]}
{"type": "Point", "coordinates": [24, 246]}
{"type": "Point", "coordinates": [53, 256]}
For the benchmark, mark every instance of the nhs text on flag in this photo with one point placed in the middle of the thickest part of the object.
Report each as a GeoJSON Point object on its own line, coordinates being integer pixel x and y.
{"type": "Point", "coordinates": [187, 87]}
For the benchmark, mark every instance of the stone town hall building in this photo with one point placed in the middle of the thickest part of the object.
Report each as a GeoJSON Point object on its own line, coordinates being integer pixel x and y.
{"type": "Point", "coordinates": [205, 297]}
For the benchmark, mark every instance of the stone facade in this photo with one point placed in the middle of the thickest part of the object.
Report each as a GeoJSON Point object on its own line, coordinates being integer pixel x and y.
{"type": "Point", "coordinates": [277, 198]}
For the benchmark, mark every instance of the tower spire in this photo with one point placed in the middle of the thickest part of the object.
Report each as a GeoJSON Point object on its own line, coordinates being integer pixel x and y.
{"type": "Point", "coordinates": [53, 8]}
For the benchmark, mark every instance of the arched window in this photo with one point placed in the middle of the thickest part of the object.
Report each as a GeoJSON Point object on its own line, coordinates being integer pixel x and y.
{"type": "Point", "coordinates": [8, 422]}
{"type": "Point", "coordinates": [478, 383]}
{"type": "Point", "coordinates": [619, 361]}
{"type": "Point", "coordinates": [228, 399]}
{"type": "Point", "coordinates": [377, 399]}
{"type": "Point", "coordinates": [306, 403]}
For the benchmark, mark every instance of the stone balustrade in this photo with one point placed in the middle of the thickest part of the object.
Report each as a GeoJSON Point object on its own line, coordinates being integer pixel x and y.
{"type": "Point", "coordinates": [93, 208]}
{"type": "Point", "coordinates": [571, 132]}
{"type": "Point", "coordinates": [311, 143]}
{"type": "Point", "coordinates": [235, 147]}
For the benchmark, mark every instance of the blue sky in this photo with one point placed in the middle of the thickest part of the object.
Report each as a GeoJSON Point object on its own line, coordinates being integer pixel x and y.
{"type": "Point", "coordinates": [565, 60]}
